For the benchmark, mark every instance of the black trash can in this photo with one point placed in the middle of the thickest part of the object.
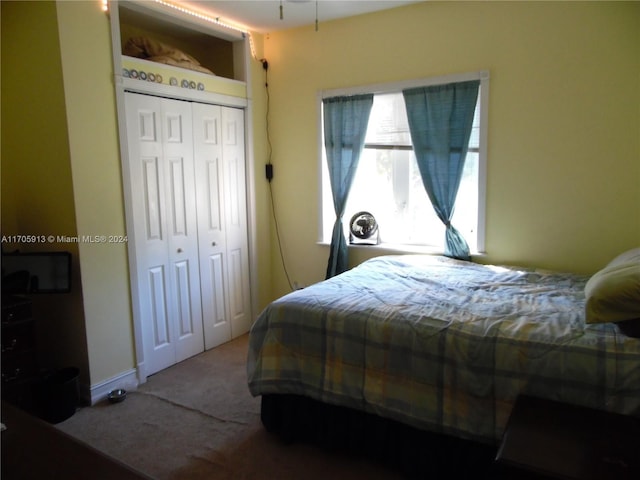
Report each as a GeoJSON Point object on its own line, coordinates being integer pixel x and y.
{"type": "Point", "coordinates": [57, 394]}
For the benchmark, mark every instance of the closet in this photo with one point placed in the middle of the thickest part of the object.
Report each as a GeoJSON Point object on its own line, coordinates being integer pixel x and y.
{"type": "Point", "coordinates": [187, 161]}
{"type": "Point", "coordinates": [184, 159]}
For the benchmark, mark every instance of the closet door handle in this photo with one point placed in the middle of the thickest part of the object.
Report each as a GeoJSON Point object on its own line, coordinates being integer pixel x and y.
{"type": "Point", "coordinates": [213, 244]}
{"type": "Point", "coordinates": [179, 250]}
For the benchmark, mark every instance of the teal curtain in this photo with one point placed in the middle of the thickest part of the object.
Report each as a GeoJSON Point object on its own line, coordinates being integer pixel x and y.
{"type": "Point", "coordinates": [440, 120]}
{"type": "Point", "coordinates": [345, 126]}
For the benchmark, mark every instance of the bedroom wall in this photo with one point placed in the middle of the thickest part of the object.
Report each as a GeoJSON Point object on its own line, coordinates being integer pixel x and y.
{"type": "Point", "coordinates": [564, 151]}
{"type": "Point", "coordinates": [37, 195]}
{"type": "Point", "coordinates": [257, 140]}
{"type": "Point", "coordinates": [97, 186]}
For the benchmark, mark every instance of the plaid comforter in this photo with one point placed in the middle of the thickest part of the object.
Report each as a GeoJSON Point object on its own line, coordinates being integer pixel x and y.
{"type": "Point", "coordinates": [443, 345]}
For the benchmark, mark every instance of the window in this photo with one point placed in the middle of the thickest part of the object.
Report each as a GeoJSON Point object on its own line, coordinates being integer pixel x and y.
{"type": "Point", "coordinates": [388, 183]}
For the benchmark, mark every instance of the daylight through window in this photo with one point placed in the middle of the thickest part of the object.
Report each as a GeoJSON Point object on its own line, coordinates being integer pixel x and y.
{"type": "Point", "coordinates": [388, 184]}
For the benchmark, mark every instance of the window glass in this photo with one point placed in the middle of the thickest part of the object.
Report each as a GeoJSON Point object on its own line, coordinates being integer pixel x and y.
{"type": "Point", "coordinates": [388, 183]}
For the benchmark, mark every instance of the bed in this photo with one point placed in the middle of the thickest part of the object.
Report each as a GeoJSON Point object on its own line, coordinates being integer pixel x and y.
{"type": "Point", "coordinates": [443, 347]}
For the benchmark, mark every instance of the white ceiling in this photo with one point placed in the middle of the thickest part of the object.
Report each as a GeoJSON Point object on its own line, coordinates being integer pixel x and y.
{"type": "Point", "coordinates": [263, 16]}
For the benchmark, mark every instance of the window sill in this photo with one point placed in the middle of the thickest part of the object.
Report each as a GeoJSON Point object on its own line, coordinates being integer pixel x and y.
{"type": "Point", "coordinates": [397, 249]}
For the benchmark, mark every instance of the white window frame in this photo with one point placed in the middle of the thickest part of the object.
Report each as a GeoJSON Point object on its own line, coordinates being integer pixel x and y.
{"type": "Point", "coordinates": [393, 87]}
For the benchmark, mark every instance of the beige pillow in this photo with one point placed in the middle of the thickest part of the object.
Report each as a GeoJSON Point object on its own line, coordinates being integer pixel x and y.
{"type": "Point", "coordinates": [632, 255]}
{"type": "Point", "coordinates": [613, 293]}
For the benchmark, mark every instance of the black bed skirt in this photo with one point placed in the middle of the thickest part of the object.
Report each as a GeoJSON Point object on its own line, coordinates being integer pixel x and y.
{"type": "Point", "coordinates": [414, 453]}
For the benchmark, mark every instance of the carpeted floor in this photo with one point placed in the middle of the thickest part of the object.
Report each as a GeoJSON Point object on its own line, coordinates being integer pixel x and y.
{"type": "Point", "coordinates": [197, 420]}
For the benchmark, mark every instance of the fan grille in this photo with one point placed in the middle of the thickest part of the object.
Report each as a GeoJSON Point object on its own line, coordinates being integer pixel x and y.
{"type": "Point", "coordinates": [363, 225]}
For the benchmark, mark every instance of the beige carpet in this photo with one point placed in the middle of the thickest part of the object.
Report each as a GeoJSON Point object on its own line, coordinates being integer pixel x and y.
{"type": "Point", "coordinates": [197, 420]}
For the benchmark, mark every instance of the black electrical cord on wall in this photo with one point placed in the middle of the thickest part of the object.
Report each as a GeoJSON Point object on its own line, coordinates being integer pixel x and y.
{"type": "Point", "coordinates": [269, 170]}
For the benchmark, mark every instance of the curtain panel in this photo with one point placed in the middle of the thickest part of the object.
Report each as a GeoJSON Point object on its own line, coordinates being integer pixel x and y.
{"type": "Point", "coordinates": [345, 127]}
{"type": "Point", "coordinates": [440, 120]}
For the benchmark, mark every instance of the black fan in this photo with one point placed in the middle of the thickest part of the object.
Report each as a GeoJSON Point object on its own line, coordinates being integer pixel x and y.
{"type": "Point", "coordinates": [363, 229]}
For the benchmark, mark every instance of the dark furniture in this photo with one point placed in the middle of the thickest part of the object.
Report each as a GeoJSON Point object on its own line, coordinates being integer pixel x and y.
{"type": "Point", "coordinates": [33, 449]}
{"type": "Point", "coordinates": [547, 439]}
{"type": "Point", "coordinates": [19, 360]}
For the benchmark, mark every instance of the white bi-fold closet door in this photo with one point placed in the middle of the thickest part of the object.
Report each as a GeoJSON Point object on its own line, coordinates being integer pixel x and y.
{"type": "Point", "coordinates": [222, 221]}
{"type": "Point", "coordinates": [188, 202]}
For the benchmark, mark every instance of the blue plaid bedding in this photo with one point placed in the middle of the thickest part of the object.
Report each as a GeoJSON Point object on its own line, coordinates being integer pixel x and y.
{"type": "Point", "coordinates": [443, 345]}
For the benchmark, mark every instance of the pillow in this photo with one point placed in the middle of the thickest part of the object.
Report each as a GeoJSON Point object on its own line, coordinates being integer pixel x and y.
{"type": "Point", "coordinates": [632, 255]}
{"type": "Point", "coordinates": [613, 293]}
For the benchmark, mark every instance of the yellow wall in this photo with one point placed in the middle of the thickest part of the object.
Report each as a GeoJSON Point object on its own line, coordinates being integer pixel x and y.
{"type": "Point", "coordinates": [37, 192]}
{"type": "Point", "coordinates": [563, 188]}
{"type": "Point", "coordinates": [97, 184]}
{"type": "Point", "coordinates": [262, 227]}
{"type": "Point", "coordinates": [36, 180]}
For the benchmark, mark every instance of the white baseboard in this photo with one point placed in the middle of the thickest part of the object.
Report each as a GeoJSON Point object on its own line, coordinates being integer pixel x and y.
{"type": "Point", "coordinates": [127, 380]}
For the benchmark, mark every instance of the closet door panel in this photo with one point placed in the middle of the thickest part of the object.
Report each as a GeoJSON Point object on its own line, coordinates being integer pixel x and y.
{"type": "Point", "coordinates": [217, 293]}
{"type": "Point", "coordinates": [237, 300]}
{"type": "Point", "coordinates": [212, 202]}
{"type": "Point", "coordinates": [159, 318]}
{"type": "Point", "coordinates": [185, 323]}
{"type": "Point", "coordinates": [147, 176]}
{"type": "Point", "coordinates": [152, 205]}
{"type": "Point", "coordinates": [182, 228]}
{"type": "Point", "coordinates": [174, 116]}
{"type": "Point", "coordinates": [235, 200]}
{"type": "Point", "coordinates": [177, 199]}
{"type": "Point", "coordinates": [210, 192]}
